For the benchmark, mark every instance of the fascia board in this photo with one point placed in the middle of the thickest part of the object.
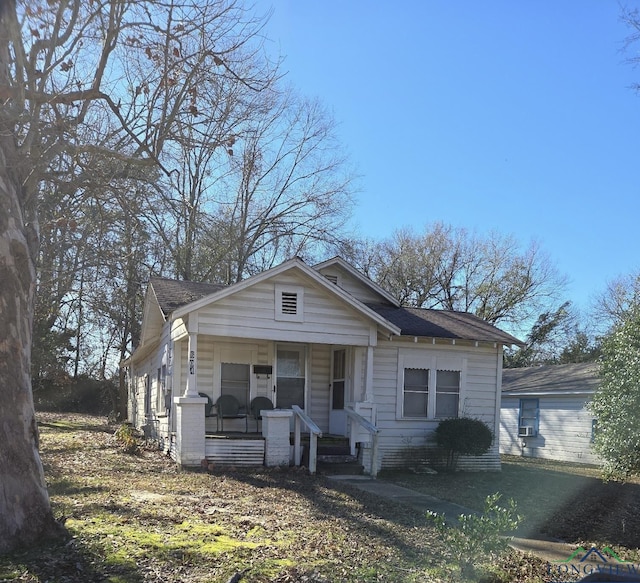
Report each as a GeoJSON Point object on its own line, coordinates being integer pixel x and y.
{"type": "Point", "coordinates": [558, 393]}
{"type": "Point", "coordinates": [359, 276]}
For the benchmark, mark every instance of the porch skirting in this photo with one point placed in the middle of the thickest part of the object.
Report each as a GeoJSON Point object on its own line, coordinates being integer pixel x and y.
{"type": "Point", "coordinates": [234, 451]}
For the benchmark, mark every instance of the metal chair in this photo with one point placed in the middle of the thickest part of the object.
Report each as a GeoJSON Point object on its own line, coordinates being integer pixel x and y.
{"type": "Point", "coordinates": [228, 407]}
{"type": "Point", "coordinates": [208, 408]}
{"type": "Point", "coordinates": [259, 404]}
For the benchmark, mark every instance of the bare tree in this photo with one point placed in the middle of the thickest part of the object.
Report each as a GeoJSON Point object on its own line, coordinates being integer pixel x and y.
{"type": "Point", "coordinates": [612, 304]}
{"type": "Point", "coordinates": [64, 74]}
{"type": "Point", "coordinates": [448, 268]}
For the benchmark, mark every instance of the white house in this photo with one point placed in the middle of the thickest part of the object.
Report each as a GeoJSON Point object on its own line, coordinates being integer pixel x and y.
{"type": "Point", "coordinates": [333, 352]}
{"type": "Point", "coordinates": [544, 412]}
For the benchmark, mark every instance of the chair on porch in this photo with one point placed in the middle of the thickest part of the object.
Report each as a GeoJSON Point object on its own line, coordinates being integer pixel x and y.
{"type": "Point", "coordinates": [259, 404]}
{"type": "Point", "coordinates": [228, 407]}
{"type": "Point", "coordinates": [208, 408]}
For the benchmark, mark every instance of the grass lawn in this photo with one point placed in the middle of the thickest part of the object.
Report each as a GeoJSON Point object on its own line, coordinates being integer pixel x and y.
{"type": "Point", "coordinates": [133, 519]}
{"type": "Point", "coordinates": [558, 500]}
{"type": "Point", "coordinates": [138, 518]}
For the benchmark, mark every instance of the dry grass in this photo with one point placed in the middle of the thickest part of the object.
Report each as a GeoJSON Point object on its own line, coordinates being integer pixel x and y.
{"type": "Point", "coordinates": [138, 518]}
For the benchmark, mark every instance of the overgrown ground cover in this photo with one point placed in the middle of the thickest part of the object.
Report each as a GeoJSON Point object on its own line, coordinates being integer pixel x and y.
{"type": "Point", "coordinates": [558, 500]}
{"type": "Point", "coordinates": [138, 518]}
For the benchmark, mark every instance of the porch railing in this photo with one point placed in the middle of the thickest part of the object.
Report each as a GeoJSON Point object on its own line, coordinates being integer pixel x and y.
{"type": "Point", "coordinates": [357, 419]}
{"type": "Point", "coordinates": [300, 417]}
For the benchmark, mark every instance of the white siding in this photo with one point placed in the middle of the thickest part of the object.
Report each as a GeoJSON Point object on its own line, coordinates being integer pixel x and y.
{"type": "Point", "coordinates": [354, 286]}
{"type": "Point", "coordinates": [478, 395]}
{"type": "Point", "coordinates": [157, 421]}
{"type": "Point", "coordinates": [319, 385]}
{"type": "Point", "coordinates": [250, 313]}
{"type": "Point", "coordinates": [564, 429]}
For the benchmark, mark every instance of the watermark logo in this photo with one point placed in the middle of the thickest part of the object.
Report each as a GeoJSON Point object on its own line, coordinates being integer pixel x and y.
{"type": "Point", "coordinates": [603, 562]}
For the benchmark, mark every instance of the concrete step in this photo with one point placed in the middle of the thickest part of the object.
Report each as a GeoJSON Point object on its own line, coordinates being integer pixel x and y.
{"type": "Point", "coordinates": [333, 468]}
{"type": "Point", "coordinates": [340, 458]}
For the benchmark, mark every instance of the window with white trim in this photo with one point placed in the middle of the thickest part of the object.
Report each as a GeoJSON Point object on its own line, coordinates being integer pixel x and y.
{"type": "Point", "coordinates": [235, 381]}
{"type": "Point", "coordinates": [529, 418]}
{"type": "Point", "coordinates": [289, 303]}
{"type": "Point", "coordinates": [430, 386]}
{"type": "Point", "coordinates": [415, 392]}
{"type": "Point", "coordinates": [447, 393]}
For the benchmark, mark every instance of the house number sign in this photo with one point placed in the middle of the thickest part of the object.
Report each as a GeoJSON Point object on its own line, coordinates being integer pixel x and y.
{"type": "Point", "coordinates": [192, 362]}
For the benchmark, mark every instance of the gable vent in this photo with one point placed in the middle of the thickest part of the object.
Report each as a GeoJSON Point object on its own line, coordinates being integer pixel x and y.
{"type": "Point", "coordinates": [332, 278]}
{"type": "Point", "coordinates": [289, 303]}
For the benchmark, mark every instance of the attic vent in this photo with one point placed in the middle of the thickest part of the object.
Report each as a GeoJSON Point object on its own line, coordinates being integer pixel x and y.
{"type": "Point", "coordinates": [332, 278]}
{"type": "Point", "coordinates": [289, 303]}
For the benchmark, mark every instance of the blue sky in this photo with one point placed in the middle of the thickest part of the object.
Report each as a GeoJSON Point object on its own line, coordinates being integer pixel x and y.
{"type": "Point", "coordinates": [515, 116]}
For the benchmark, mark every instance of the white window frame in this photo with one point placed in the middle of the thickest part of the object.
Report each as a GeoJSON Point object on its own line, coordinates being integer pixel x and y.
{"type": "Point", "coordinates": [280, 292]}
{"type": "Point", "coordinates": [525, 419]}
{"type": "Point", "coordinates": [422, 359]}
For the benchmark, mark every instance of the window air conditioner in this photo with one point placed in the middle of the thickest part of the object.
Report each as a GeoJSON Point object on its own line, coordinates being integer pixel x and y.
{"type": "Point", "coordinates": [526, 431]}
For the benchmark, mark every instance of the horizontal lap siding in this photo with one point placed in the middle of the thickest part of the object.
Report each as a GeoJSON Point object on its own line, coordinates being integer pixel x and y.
{"type": "Point", "coordinates": [398, 435]}
{"type": "Point", "coordinates": [319, 388]}
{"type": "Point", "coordinates": [204, 364]}
{"type": "Point", "coordinates": [235, 452]}
{"type": "Point", "coordinates": [564, 430]}
{"type": "Point", "coordinates": [352, 285]}
{"type": "Point", "coordinates": [149, 366]}
{"type": "Point", "coordinates": [509, 412]}
{"type": "Point", "coordinates": [251, 314]}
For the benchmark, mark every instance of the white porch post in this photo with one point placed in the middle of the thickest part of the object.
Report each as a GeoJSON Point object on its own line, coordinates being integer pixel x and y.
{"type": "Point", "coordinates": [190, 430]}
{"type": "Point", "coordinates": [275, 429]}
{"type": "Point", "coordinates": [190, 407]}
{"type": "Point", "coordinates": [368, 379]}
{"type": "Point", "coordinates": [192, 364]}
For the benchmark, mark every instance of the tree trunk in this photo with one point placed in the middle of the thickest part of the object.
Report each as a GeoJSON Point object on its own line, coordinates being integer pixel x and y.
{"type": "Point", "coordinates": [25, 511]}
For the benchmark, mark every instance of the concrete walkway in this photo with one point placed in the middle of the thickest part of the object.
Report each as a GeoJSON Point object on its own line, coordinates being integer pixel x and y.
{"type": "Point", "coordinates": [546, 550]}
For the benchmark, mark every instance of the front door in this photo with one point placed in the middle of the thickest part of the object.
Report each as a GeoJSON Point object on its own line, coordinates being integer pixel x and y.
{"type": "Point", "coordinates": [338, 390]}
{"type": "Point", "coordinates": [290, 382]}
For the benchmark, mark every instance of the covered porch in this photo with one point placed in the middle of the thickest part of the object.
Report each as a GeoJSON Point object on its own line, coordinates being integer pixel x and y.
{"type": "Point", "coordinates": [307, 388]}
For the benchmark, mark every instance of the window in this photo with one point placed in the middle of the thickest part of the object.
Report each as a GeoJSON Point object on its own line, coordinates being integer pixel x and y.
{"type": "Point", "coordinates": [289, 303]}
{"type": "Point", "coordinates": [415, 392]}
{"type": "Point", "coordinates": [447, 393]}
{"type": "Point", "coordinates": [338, 379]}
{"type": "Point", "coordinates": [431, 385]}
{"type": "Point", "coordinates": [529, 418]}
{"type": "Point", "coordinates": [234, 381]}
{"type": "Point", "coordinates": [290, 380]}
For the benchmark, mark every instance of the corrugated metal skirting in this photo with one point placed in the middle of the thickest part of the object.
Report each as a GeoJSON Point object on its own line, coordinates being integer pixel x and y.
{"type": "Point", "coordinates": [235, 452]}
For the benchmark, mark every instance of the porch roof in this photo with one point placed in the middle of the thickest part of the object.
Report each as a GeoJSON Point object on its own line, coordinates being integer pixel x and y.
{"type": "Point", "coordinates": [443, 324]}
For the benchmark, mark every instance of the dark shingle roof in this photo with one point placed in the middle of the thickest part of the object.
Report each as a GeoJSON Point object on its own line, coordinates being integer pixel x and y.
{"type": "Point", "coordinates": [173, 294]}
{"type": "Point", "coordinates": [443, 324]}
{"type": "Point", "coordinates": [580, 377]}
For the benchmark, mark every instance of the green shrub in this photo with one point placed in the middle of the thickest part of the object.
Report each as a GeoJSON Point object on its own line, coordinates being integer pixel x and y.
{"type": "Point", "coordinates": [463, 436]}
{"type": "Point", "coordinates": [477, 539]}
{"type": "Point", "coordinates": [127, 439]}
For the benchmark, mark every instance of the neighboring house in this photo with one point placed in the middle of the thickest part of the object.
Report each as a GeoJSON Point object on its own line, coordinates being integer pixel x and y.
{"type": "Point", "coordinates": [332, 351]}
{"type": "Point", "coordinates": [544, 412]}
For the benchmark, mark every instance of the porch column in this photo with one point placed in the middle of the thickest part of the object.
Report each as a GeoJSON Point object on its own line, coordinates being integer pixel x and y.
{"type": "Point", "coordinates": [190, 430]}
{"type": "Point", "coordinates": [275, 429]}
{"type": "Point", "coordinates": [192, 370]}
{"type": "Point", "coordinates": [368, 379]}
